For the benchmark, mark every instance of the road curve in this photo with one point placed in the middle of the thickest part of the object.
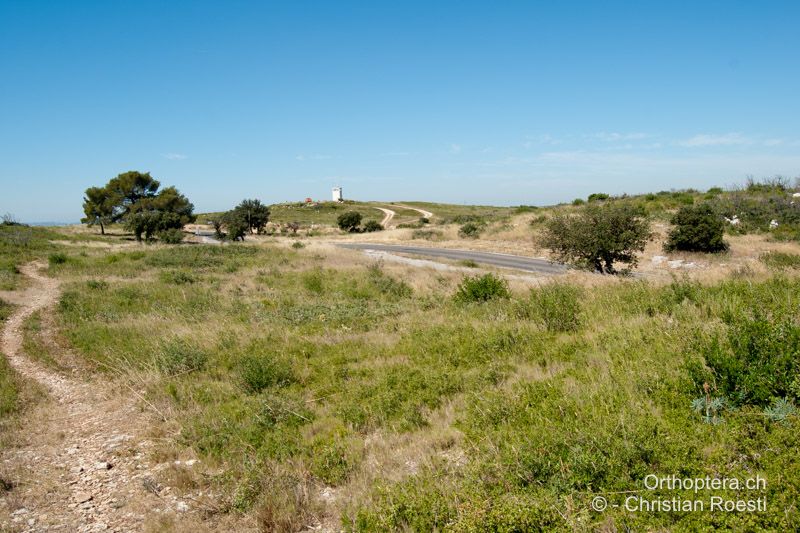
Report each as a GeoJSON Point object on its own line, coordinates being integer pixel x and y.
{"type": "Point", "coordinates": [389, 215]}
{"type": "Point", "coordinates": [518, 262]}
{"type": "Point", "coordinates": [426, 214]}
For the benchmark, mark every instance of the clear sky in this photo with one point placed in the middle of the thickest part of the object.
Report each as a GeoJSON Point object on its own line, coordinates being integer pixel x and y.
{"type": "Point", "coordinates": [481, 102]}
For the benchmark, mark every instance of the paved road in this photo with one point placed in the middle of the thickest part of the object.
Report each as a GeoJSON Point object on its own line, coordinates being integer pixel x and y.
{"type": "Point", "coordinates": [528, 264]}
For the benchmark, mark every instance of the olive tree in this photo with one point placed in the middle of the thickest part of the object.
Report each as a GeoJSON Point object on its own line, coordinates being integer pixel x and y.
{"type": "Point", "coordinates": [598, 236]}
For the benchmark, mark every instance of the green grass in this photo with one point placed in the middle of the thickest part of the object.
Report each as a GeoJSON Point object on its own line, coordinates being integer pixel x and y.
{"type": "Point", "coordinates": [19, 245]}
{"type": "Point", "coordinates": [9, 384]}
{"type": "Point", "coordinates": [33, 342]}
{"type": "Point", "coordinates": [781, 260]}
{"type": "Point", "coordinates": [9, 389]}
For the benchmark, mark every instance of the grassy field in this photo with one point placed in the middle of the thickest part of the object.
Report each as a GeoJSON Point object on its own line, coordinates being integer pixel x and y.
{"type": "Point", "coordinates": [320, 389]}
{"type": "Point", "coordinates": [370, 397]}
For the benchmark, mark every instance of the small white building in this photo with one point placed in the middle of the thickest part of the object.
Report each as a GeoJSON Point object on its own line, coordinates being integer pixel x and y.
{"type": "Point", "coordinates": [337, 194]}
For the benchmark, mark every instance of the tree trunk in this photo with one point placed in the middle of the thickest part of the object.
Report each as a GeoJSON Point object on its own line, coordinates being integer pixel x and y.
{"type": "Point", "coordinates": [102, 229]}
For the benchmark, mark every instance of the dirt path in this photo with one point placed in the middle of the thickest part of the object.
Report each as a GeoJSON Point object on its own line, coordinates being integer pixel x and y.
{"type": "Point", "coordinates": [389, 215]}
{"type": "Point", "coordinates": [426, 214]}
{"type": "Point", "coordinates": [80, 460]}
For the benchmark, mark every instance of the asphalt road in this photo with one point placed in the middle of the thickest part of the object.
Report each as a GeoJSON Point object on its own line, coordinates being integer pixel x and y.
{"type": "Point", "coordinates": [528, 264]}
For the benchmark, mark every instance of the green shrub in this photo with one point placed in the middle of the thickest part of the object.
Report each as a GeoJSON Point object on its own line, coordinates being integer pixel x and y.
{"type": "Point", "coordinates": [758, 363]}
{"type": "Point", "coordinates": [349, 221]}
{"type": "Point", "coordinates": [297, 245]}
{"type": "Point", "coordinates": [556, 306]}
{"type": "Point", "coordinates": [57, 258]}
{"type": "Point", "coordinates": [260, 371]}
{"type": "Point", "coordinates": [179, 357]}
{"type": "Point", "coordinates": [333, 457]}
{"type": "Point", "coordinates": [171, 236]}
{"type": "Point", "coordinates": [372, 225]}
{"type": "Point", "coordinates": [482, 288]}
{"type": "Point", "coordinates": [696, 229]}
{"type": "Point", "coordinates": [97, 285]}
{"type": "Point", "coordinates": [313, 281]}
{"type": "Point", "coordinates": [470, 230]}
{"type": "Point", "coordinates": [177, 277]}
{"type": "Point", "coordinates": [578, 201]}
{"type": "Point", "coordinates": [598, 197]}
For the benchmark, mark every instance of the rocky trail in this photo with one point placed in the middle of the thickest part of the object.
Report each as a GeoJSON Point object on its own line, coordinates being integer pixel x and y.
{"type": "Point", "coordinates": [81, 457]}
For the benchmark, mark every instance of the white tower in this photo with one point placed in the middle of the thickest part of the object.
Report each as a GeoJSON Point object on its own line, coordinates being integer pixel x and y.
{"type": "Point", "coordinates": [337, 194]}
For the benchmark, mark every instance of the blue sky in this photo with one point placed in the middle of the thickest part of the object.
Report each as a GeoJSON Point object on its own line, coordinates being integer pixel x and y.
{"type": "Point", "coordinates": [478, 102]}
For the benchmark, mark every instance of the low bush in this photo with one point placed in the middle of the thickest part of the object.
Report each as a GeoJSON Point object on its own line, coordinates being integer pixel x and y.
{"type": "Point", "coordinates": [177, 277]}
{"type": "Point", "coordinates": [372, 225]}
{"type": "Point", "coordinates": [470, 230]}
{"type": "Point", "coordinates": [97, 284]}
{"type": "Point", "coordinates": [171, 236]}
{"type": "Point", "coordinates": [482, 288]}
{"type": "Point", "coordinates": [57, 258]}
{"type": "Point", "coordinates": [297, 245]}
{"type": "Point", "coordinates": [260, 371]}
{"type": "Point", "coordinates": [696, 229]}
{"type": "Point", "coordinates": [756, 362]}
{"type": "Point", "coordinates": [179, 357]}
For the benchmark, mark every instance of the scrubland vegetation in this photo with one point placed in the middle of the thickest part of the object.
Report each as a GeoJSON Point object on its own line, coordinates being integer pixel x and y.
{"type": "Point", "coordinates": [319, 389]}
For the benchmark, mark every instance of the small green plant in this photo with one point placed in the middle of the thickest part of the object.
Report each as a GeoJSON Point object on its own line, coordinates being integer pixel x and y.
{"type": "Point", "coordinates": [57, 258]}
{"type": "Point", "coordinates": [780, 410]}
{"type": "Point", "coordinates": [469, 263]}
{"type": "Point", "coordinates": [470, 230]}
{"type": "Point", "coordinates": [260, 371]}
{"type": "Point", "coordinates": [177, 277]}
{"type": "Point", "coordinates": [578, 201]}
{"type": "Point", "coordinates": [297, 245]}
{"type": "Point", "coordinates": [179, 357]}
{"type": "Point", "coordinates": [482, 288]}
{"type": "Point", "coordinates": [313, 281]}
{"type": "Point", "coordinates": [710, 408]}
{"type": "Point", "coordinates": [97, 285]}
